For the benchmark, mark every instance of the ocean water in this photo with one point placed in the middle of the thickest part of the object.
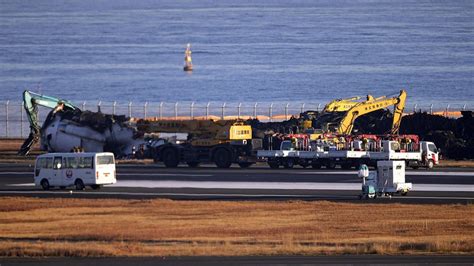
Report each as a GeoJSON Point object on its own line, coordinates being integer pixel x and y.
{"type": "Point", "coordinates": [243, 51]}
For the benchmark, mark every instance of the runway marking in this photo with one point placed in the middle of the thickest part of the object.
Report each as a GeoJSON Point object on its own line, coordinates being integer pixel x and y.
{"type": "Point", "coordinates": [196, 195]}
{"type": "Point", "coordinates": [354, 173]}
{"type": "Point", "coordinates": [408, 173]}
{"type": "Point", "coordinates": [267, 185]}
{"type": "Point", "coordinates": [156, 174]}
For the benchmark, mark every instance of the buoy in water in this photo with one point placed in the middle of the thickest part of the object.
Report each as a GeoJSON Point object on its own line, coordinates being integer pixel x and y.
{"type": "Point", "coordinates": [188, 62]}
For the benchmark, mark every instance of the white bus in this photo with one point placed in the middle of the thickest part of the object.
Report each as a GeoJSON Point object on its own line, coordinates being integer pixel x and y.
{"type": "Point", "coordinates": [75, 169]}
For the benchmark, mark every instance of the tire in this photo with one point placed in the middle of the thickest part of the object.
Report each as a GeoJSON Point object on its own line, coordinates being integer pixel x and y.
{"type": "Point", "coordinates": [79, 184]}
{"type": "Point", "coordinates": [45, 184]}
{"type": "Point", "coordinates": [288, 164]}
{"type": "Point", "coordinates": [222, 158]}
{"type": "Point", "coordinates": [316, 165]}
{"type": "Point", "coordinates": [245, 165]}
{"type": "Point", "coordinates": [96, 187]}
{"type": "Point", "coordinates": [330, 165]}
{"type": "Point", "coordinates": [274, 165]}
{"type": "Point", "coordinates": [170, 157]}
{"type": "Point", "coordinates": [430, 164]}
{"type": "Point", "coordinates": [346, 166]}
{"type": "Point", "coordinates": [193, 164]}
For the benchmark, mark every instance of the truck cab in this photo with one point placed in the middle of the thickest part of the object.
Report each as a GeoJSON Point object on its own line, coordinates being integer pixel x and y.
{"type": "Point", "coordinates": [430, 154]}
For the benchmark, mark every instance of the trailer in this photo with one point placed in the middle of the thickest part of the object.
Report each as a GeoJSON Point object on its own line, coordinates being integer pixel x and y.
{"type": "Point", "coordinates": [423, 154]}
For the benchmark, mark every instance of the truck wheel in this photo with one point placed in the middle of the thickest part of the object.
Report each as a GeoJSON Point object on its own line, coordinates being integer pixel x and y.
{"type": "Point", "coordinates": [45, 184]}
{"type": "Point", "coordinates": [346, 166]}
{"type": "Point", "coordinates": [415, 166]}
{"type": "Point", "coordinates": [316, 165]}
{"type": "Point", "coordinates": [430, 164]}
{"type": "Point", "coordinates": [222, 158]}
{"type": "Point", "coordinates": [245, 165]}
{"type": "Point", "coordinates": [79, 184]}
{"type": "Point", "coordinates": [288, 164]}
{"type": "Point", "coordinates": [274, 165]}
{"type": "Point", "coordinates": [170, 157]}
{"type": "Point", "coordinates": [330, 165]}
{"type": "Point", "coordinates": [193, 164]}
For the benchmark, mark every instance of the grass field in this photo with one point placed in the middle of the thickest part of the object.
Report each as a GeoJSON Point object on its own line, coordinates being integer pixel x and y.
{"type": "Point", "coordinates": [108, 227]}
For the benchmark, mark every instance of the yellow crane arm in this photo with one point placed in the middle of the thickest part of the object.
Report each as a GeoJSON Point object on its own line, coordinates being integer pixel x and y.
{"type": "Point", "coordinates": [347, 122]}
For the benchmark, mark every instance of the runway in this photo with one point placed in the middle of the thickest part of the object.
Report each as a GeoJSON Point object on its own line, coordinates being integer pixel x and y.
{"type": "Point", "coordinates": [259, 182]}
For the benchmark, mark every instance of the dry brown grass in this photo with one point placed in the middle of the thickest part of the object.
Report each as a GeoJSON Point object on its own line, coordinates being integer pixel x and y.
{"type": "Point", "coordinates": [106, 227]}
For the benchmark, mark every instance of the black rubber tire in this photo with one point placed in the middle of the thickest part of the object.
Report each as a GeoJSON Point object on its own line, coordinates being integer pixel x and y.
{"type": "Point", "coordinates": [45, 184]}
{"type": "Point", "coordinates": [79, 185]}
{"type": "Point", "coordinates": [346, 166]}
{"type": "Point", "coordinates": [316, 165]}
{"type": "Point", "coordinates": [245, 165]}
{"type": "Point", "coordinates": [430, 164]}
{"type": "Point", "coordinates": [222, 158]}
{"type": "Point", "coordinates": [96, 187]}
{"type": "Point", "coordinates": [170, 157]}
{"type": "Point", "coordinates": [331, 165]}
{"type": "Point", "coordinates": [288, 164]}
{"type": "Point", "coordinates": [274, 165]}
{"type": "Point", "coordinates": [193, 164]}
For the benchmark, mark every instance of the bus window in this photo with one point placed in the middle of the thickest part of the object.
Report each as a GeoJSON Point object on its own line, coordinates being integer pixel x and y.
{"type": "Point", "coordinates": [85, 162]}
{"type": "Point", "coordinates": [71, 162]}
{"type": "Point", "coordinates": [48, 163]}
{"type": "Point", "coordinates": [105, 159]}
{"type": "Point", "coordinates": [57, 162]}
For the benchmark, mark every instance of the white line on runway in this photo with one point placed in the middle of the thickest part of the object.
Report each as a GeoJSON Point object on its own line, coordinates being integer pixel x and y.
{"type": "Point", "coordinates": [354, 173]}
{"type": "Point", "coordinates": [268, 185]}
{"type": "Point", "coordinates": [408, 173]}
{"type": "Point", "coordinates": [156, 174]}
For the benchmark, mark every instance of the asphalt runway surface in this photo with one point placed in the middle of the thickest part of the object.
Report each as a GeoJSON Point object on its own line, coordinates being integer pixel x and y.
{"type": "Point", "coordinates": [439, 186]}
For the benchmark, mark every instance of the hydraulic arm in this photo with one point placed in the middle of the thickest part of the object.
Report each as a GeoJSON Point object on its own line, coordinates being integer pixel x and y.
{"type": "Point", "coordinates": [347, 122]}
{"type": "Point", "coordinates": [31, 101]}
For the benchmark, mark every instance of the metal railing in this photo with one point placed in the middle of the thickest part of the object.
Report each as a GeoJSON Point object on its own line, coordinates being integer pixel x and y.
{"type": "Point", "coordinates": [14, 123]}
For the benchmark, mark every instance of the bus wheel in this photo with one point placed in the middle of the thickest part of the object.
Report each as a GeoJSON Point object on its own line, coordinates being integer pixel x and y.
{"type": "Point", "coordinates": [45, 184]}
{"type": "Point", "coordinates": [95, 187]}
{"type": "Point", "coordinates": [79, 184]}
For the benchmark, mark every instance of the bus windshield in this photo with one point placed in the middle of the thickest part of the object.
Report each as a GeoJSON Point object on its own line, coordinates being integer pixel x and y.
{"type": "Point", "coordinates": [105, 159]}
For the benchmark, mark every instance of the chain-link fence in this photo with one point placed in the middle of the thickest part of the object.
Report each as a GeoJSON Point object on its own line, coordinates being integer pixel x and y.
{"type": "Point", "coordinates": [14, 122]}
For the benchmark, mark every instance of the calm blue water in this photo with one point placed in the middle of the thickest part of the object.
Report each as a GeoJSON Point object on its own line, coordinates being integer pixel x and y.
{"type": "Point", "coordinates": [249, 51]}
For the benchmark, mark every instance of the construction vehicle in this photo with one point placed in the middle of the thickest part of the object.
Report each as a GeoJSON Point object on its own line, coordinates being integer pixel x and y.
{"type": "Point", "coordinates": [67, 128]}
{"type": "Point", "coordinates": [223, 142]}
{"type": "Point", "coordinates": [346, 124]}
{"type": "Point", "coordinates": [344, 105]}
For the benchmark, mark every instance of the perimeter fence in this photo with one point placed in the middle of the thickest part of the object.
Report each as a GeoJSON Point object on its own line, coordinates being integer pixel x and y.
{"type": "Point", "coordinates": [14, 122]}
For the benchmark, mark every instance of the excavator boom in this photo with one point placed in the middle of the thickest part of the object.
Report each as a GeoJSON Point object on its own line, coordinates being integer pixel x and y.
{"type": "Point", "coordinates": [347, 122]}
{"type": "Point", "coordinates": [31, 101]}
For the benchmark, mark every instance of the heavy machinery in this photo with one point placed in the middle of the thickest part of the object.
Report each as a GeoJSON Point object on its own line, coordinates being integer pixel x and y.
{"type": "Point", "coordinates": [67, 128]}
{"type": "Point", "coordinates": [346, 123]}
{"type": "Point", "coordinates": [223, 142]}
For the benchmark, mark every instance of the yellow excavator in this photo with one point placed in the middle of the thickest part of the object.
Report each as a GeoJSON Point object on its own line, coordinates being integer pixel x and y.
{"type": "Point", "coordinates": [223, 142]}
{"type": "Point", "coordinates": [347, 122]}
